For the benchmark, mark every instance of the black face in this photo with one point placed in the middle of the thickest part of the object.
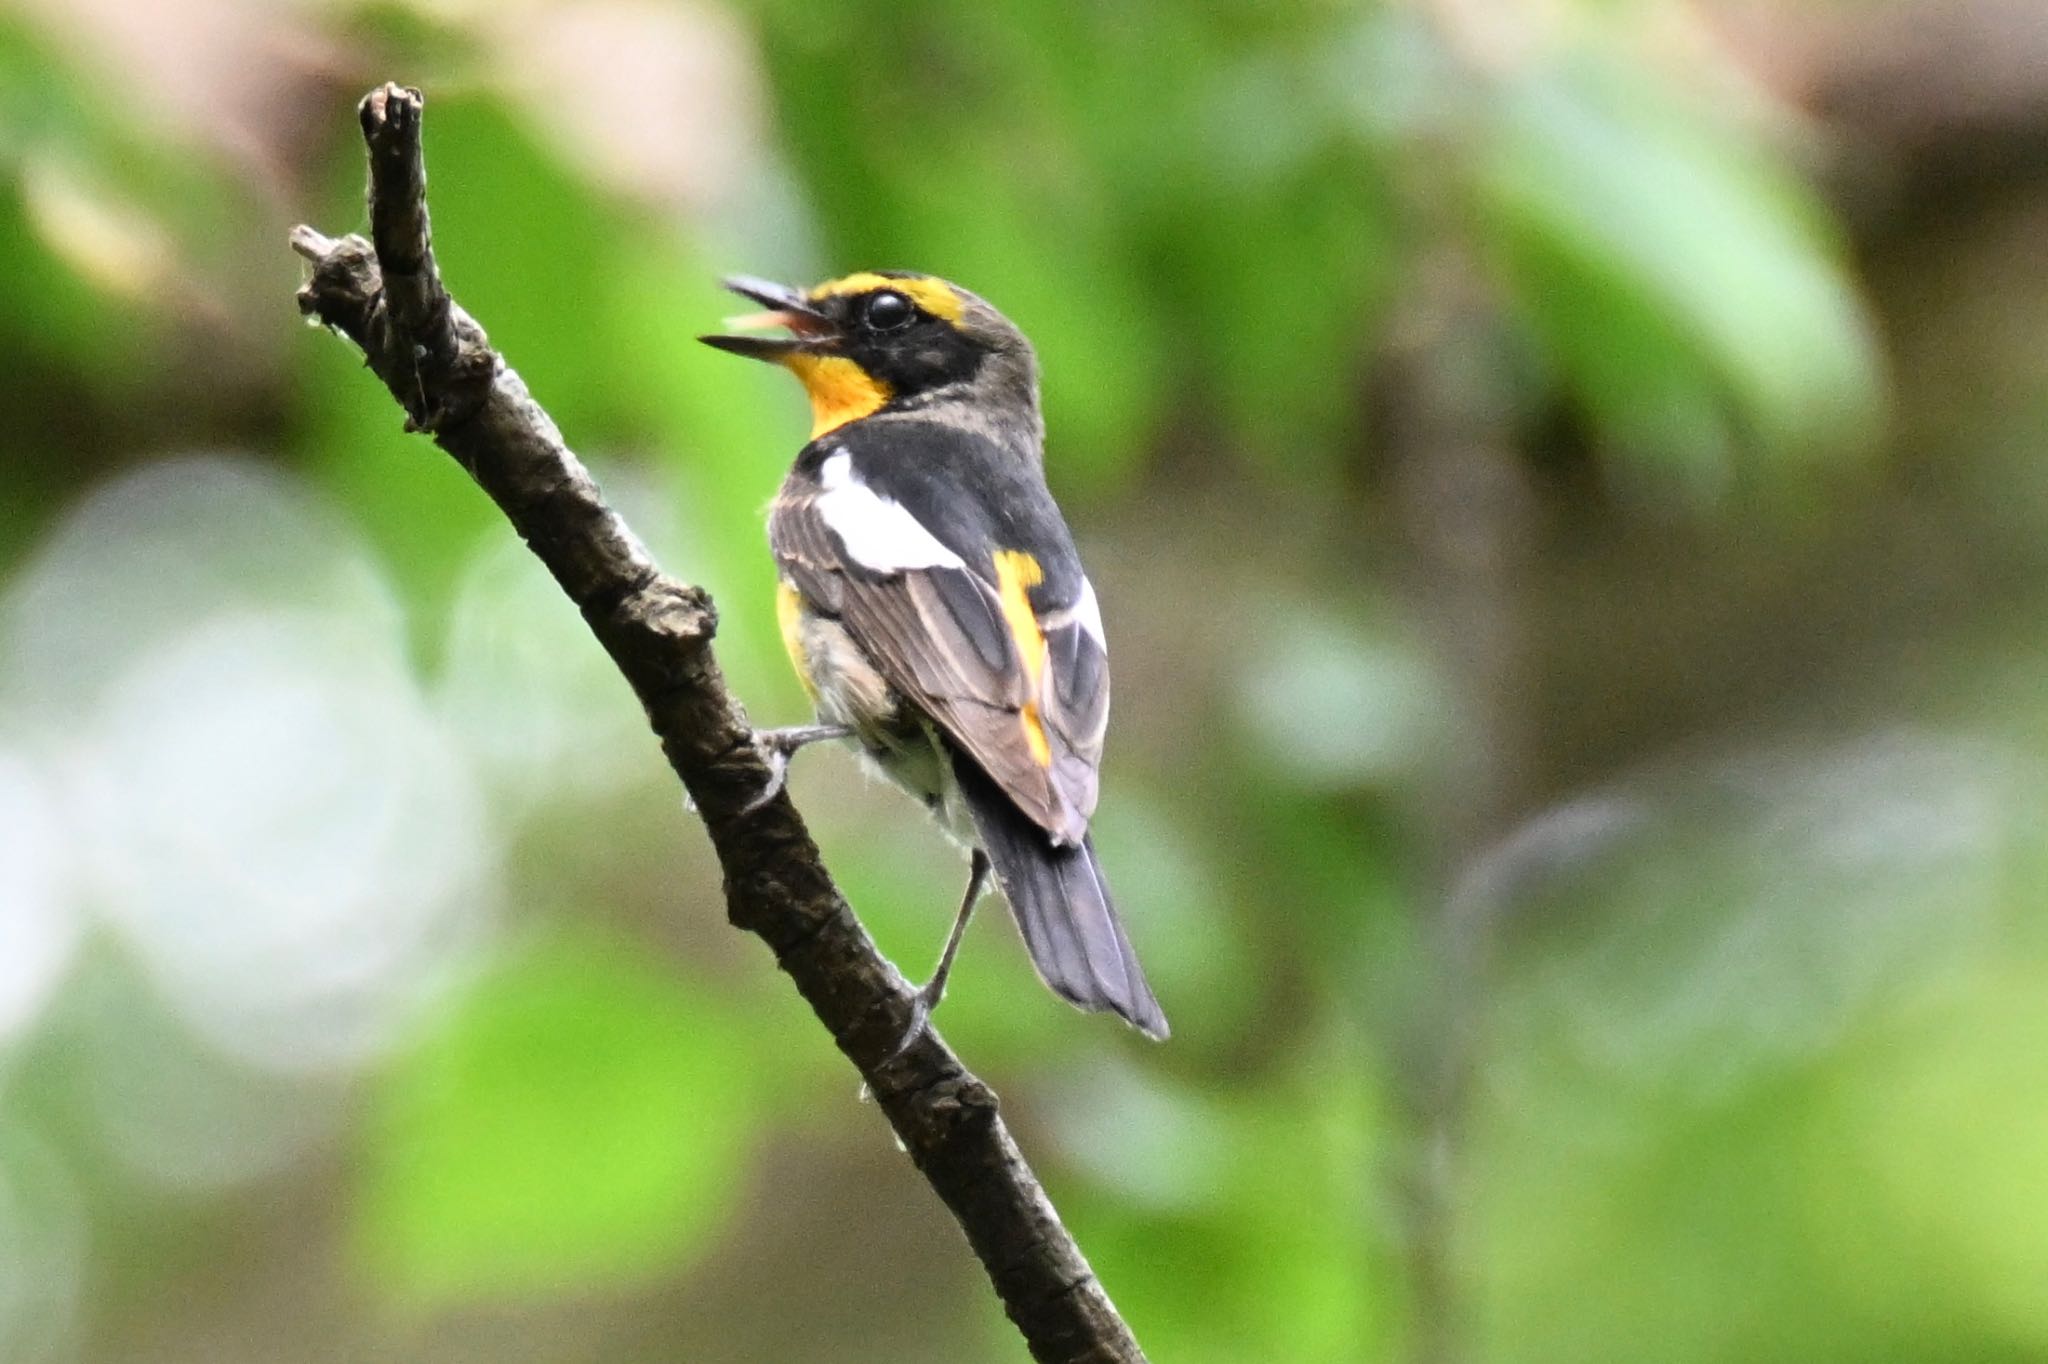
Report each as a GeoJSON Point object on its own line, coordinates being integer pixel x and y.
{"type": "Point", "coordinates": [883, 330]}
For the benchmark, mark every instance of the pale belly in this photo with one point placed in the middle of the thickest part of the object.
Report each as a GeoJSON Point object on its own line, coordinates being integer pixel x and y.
{"type": "Point", "coordinates": [895, 738]}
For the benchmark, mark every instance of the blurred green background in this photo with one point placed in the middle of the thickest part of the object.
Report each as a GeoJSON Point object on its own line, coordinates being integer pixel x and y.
{"type": "Point", "coordinates": [1566, 483]}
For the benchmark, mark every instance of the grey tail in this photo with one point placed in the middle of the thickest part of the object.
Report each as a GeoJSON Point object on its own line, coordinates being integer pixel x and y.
{"type": "Point", "coordinates": [1061, 903]}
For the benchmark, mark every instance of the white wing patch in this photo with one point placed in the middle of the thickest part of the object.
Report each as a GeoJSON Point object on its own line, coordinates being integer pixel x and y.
{"type": "Point", "coordinates": [1086, 612]}
{"type": "Point", "coordinates": [879, 534]}
{"type": "Point", "coordinates": [1089, 612]}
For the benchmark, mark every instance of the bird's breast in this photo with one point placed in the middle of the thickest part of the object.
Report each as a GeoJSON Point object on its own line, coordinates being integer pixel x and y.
{"type": "Point", "coordinates": [845, 686]}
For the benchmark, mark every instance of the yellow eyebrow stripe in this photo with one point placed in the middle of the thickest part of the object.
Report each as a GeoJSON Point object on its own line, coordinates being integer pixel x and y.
{"type": "Point", "coordinates": [1016, 573]}
{"type": "Point", "coordinates": [935, 296]}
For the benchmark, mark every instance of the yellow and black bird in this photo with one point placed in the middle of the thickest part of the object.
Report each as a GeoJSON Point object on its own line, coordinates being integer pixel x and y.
{"type": "Point", "coordinates": [936, 610]}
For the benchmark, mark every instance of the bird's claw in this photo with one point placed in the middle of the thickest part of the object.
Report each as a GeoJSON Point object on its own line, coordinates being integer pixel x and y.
{"type": "Point", "coordinates": [776, 746]}
{"type": "Point", "coordinates": [778, 776]}
{"type": "Point", "coordinates": [921, 1008]}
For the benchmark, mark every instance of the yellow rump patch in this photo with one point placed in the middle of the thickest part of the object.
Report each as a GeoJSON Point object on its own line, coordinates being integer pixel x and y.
{"type": "Point", "coordinates": [1016, 573]}
{"type": "Point", "coordinates": [935, 296]}
{"type": "Point", "coordinates": [840, 390]}
{"type": "Point", "coordinates": [789, 614]}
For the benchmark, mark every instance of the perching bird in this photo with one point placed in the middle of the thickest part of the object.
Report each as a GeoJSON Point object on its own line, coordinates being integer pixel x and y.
{"type": "Point", "coordinates": [934, 606]}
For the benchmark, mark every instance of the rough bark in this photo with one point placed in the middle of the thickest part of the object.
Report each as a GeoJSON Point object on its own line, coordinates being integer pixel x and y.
{"type": "Point", "coordinates": [388, 298]}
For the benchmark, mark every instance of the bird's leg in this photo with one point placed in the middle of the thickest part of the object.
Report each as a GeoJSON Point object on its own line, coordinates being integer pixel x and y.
{"type": "Point", "coordinates": [977, 880]}
{"type": "Point", "coordinates": [776, 746]}
{"type": "Point", "coordinates": [935, 989]}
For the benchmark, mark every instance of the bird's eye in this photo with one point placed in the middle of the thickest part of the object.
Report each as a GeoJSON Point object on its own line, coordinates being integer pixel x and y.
{"type": "Point", "coordinates": [887, 311]}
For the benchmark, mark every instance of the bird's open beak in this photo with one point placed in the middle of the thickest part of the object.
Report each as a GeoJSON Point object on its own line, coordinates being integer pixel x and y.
{"type": "Point", "coordinates": [811, 332]}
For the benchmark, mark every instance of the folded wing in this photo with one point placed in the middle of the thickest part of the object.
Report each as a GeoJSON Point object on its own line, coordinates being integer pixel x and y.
{"type": "Point", "coordinates": [1007, 658]}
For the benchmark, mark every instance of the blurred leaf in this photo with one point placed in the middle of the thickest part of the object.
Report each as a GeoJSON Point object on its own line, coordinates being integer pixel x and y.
{"type": "Point", "coordinates": [43, 1249]}
{"type": "Point", "coordinates": [1685, 1228]}
{"type": "Point", "coordinates": [730, 429]}
{"type": "Point", "coordinates": [1176, 901]}
{"type": "Point", "coordinates": [412, 502]}
{"type": "Point", "coordinates": [529, 245]}
{"type": "Point", "coordinates": [1930, 1165]}
{"type": "Point", "coordinates": [1745, 919]}
{"type": "Point", "coordinates": [995, 196]}
{"type": "Point", "coordinates": [50, 311]}
{"type": "Point", "coordinates": [1332, 703]}
{"type": "Point", "coordinates": [1044, 251]}
{"type": "Point", "coordinates": [1720, 1068]}
{"type": "Point", "coordinates": [1284, 283]}
{"type": "Point", "coordinates": [53, 314]}
{"type": "Point", "coordinates": [37, 883]}
{"type": "Point", "coordinates": [102, 228]}
{"type": "Point", "coordinates": [579, 1118]}
{"type": "Point", "coordinates": [1687, 286]}
{"type": "Point", "coordinates": [1272, 1251]}
{"type": "Point", "coordinates": [527, 248]}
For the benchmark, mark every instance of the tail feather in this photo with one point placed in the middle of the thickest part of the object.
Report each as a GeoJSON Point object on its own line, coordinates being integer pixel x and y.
{"type": "Point", "coordinates": [1061, 903]}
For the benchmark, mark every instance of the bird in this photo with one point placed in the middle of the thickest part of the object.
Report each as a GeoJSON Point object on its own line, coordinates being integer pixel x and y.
{"type": "Point", "coordinates": [932, 602]}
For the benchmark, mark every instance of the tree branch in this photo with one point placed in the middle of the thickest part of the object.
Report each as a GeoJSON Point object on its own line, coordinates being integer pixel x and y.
{"type": "Point", "coordinates": [388, 299]}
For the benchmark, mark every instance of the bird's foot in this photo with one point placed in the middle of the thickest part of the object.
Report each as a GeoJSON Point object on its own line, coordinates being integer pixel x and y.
{"type": "Point", "coordinates": [934, 990]}
{"type": "Point", "coordinates": [777, 746]}
{"type": "Point", "coordinates": [922, 1004]}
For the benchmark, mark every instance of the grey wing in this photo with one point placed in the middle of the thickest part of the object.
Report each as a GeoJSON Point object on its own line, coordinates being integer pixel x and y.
{"type": "Point", "coordinates": [1075, 700]}
{"type": "Point", "coordinates": [940, 635]}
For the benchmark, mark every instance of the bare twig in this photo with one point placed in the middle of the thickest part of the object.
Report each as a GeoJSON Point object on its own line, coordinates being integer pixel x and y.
{"type": "Point", "coordinates": [436, 361]}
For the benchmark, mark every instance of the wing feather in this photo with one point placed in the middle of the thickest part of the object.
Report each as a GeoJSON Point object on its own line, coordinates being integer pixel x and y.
{"type": "Point", "coordinates": [939, 635]}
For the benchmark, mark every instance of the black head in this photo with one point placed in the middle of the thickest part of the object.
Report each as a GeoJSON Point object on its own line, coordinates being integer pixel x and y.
{"type": "Point", "coordinates": [886, 338]}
